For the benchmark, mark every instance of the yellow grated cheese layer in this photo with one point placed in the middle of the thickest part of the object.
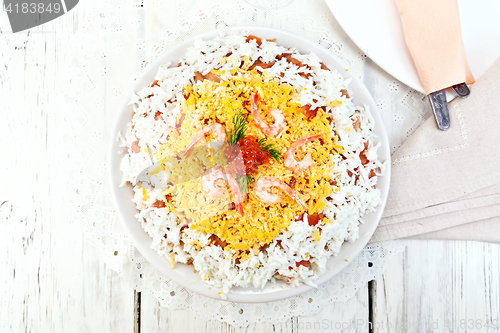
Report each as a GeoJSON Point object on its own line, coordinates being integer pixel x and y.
{"type": "Point", "coordinates": [209, 102]}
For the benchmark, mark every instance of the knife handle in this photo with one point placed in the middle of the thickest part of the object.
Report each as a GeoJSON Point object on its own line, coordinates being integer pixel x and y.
{"type": "Point", "coordinates": [461, 89]}
{"type": "Point", "coordinates": [440, 108]}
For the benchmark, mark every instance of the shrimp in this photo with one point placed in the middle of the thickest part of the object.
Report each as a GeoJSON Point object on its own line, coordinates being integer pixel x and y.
{"type": "Point", "coordinates": [216, 129]}
{"type": "Point", "coordinates": [279, 120]}
{"type": "Point", "coordinates": [263, 185]}
{"type": "Point", "coordinates": [208, 182]}
{"type": "Point", "coordinates": [289, 159]}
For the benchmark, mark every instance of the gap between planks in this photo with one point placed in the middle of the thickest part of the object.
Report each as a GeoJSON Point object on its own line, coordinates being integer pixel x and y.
{"type": "Point", "coordinates": [137, 312]}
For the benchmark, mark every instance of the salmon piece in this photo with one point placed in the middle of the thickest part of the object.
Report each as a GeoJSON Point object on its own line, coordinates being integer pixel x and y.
{"type": "Point", "coordinates": [198, 77]}
{"type": "Point", "coordinates": [209, 76]}
{"type": "Point", "coordinates": [158, 115]}
{"type": "Point", "coordinates": [311, 113]}
{"type": "Point", "coordinates": [362, 155]}
{"type": "Point", "coordinates": [314, 219]}
{"type": "Point", "coordinates": [285, 279]}
{"type": "Point", "coordinates": [212, 77]}
{"type": "Point", "coordinates": [135, 147]}
{"type": "Point", "coordinates": [356, 123]}
{"type": "Point", "coordinates": [257, 39]}
{"type": "Point", "coordinates": [158, 204]}
{"type": "Point", "coordinates": [283, 55]}
{"type": "Point", "coordinates": [305, 263]}
{"type": "Point", "coordinates": [261, 64]}
{"type": "Point", "coordinates": [215, 240]}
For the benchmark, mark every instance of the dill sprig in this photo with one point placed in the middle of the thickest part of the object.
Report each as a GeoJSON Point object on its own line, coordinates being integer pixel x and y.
{"type": "Point", "coordinates": [271, 148]}
{"type": "Point", "coordinates": [244, 183]}
{"type": "Point", "coordinates": [238, 129]}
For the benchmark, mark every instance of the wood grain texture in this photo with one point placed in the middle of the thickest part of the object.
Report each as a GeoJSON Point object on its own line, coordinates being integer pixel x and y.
{"type": "Point", "coordinates": [155, 318]}
{"type": "Point", "coordinates": [440, 286]}
{"type": "Point", "coordinates": [51, 280]}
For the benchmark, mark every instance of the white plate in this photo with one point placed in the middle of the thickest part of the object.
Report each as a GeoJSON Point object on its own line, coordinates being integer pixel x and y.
{"type": "Point", "coordinates": [375, 27]}
{"type": "Point", "coordinates": [184, 274]}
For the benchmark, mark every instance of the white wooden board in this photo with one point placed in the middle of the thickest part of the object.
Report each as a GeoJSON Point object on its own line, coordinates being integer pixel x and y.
{"type": "Point", "coordinates": [52, 280]}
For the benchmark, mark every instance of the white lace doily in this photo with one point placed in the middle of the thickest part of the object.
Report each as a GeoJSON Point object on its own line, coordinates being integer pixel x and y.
{"type": "Point", "coordinates": [117, 40]}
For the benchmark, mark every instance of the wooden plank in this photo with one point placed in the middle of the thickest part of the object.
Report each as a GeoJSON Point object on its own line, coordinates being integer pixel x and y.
{"type": "Point", "coordinates": [155, 318]}
{"type": "Point", "coordinates": [351, 316]}
{"type": "Point", "coordinates": [445, 286]}
{"type": "Point", "coordinates": [52, 279]}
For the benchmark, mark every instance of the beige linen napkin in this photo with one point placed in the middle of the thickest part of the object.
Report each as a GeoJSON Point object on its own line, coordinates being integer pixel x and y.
{"type": "Point", "coordinates": [433, 36]}
{"type": "Point", "coordinates": [446, 184]}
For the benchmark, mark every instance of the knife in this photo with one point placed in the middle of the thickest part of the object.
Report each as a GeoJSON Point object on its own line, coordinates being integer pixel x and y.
{"type": "Point", "coordinates": [439, 104]}
{"type": "Point", "coordinates": [440, 108]}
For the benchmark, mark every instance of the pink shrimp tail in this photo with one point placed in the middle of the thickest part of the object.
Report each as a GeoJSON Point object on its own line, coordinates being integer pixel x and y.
{"type": "Point", "coordinates": [289, 159]}
{"type": "Point", "coordinates": [235, 188]}
{"type": "Point", "coordinates": [194, 141]}
{"type": "Point", "coordinates": [263, 185]}
{"type": "Point", "coordinates": [279, 119]}
{"type": "Point", "coordinates": [254, 110]}
{"type": "Point", "coordinates": [305, 140]}
{"type": "Point", "coordinates": [300, 202]}
{"type": "Point", "coordinates": [219, 135]}
{"type": "Point", "coordinates": [209, 187]}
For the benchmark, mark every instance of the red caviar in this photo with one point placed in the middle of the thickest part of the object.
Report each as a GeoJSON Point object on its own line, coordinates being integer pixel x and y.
{"type": "Point", "coordinates": [252, 154]}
